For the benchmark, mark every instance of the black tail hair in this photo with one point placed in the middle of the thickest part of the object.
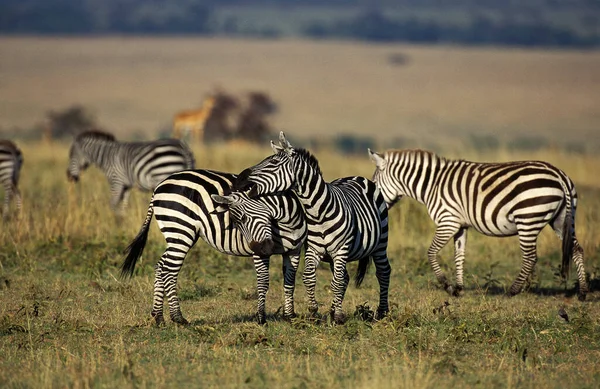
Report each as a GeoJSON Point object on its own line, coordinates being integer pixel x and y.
{"type": "Point", "coordinates": [361, 271]}
{"type": "Point", "coordinates": [136, 247]}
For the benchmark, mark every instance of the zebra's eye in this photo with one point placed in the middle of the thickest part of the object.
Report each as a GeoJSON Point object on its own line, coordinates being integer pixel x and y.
{"type": "Point", "coordinates": [244, 218]}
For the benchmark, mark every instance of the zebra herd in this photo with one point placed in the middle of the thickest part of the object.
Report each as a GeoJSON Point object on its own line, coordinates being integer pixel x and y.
{"type": "Point", "coordinates": [283, 205]}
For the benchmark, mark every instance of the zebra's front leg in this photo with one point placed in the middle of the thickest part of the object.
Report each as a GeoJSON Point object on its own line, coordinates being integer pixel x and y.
{"type": "Point", "coordinates": [159, 295]}
{"type": "Point", "coordinates": [460, 243]}
{"type": "Point", "coordinates": [309, 277]}
{"type": "Point", "coordinates": [383, 270]}
{"type": "Point", "coordinates": [443, 233]}
{"type": "Point", "coordinates": [527, 242]}
{"type": "Point", "coordinates": [290, 267]}
{"type": "Point", "coordinates": [117, 193]}
{"type": "Point", "coordinates": [261, 265]}
{"type": "Point", "coordinates": [339, 284]}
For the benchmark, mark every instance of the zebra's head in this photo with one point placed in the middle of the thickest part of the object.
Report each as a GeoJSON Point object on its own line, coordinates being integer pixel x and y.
{"type": "Point", "coordinates": [382, 179]}
{"type": "Point", "coordinates": [252, 218]}
{"type": "Point", "coordinates": [77, 162]}
{"type": "Point", "coordinates": [274, 174]}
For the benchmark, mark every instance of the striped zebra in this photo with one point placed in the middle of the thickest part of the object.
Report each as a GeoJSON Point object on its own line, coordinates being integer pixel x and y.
{"type": "Point", "coordinates": [141, 164]}
{"type": "Point", "coordinates": [11, 160]}
{"type": "Point", "coordinates": [347, 220]}
{"type": "Point", "coordinates": [495, 199]}
{"type": "Point", "coordinates": [233, 224]}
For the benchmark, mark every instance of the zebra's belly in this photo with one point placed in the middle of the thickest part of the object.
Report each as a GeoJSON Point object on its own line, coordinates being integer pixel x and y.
{"type": "Point", "coordinates": [499, 227]}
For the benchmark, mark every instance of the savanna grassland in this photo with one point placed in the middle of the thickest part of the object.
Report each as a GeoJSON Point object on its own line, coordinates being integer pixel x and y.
{"type": "Point", "coordinates": [435, 97]}
{"type": "Point", "coordinates": [68, 320]}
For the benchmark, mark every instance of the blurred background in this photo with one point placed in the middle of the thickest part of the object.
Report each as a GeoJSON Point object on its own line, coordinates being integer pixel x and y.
{"type": "Point", "coordinates": [350, 74]}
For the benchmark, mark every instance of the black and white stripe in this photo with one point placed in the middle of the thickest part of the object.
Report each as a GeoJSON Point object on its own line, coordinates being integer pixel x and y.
{"type": "Point", "coordinates": [11, 160]}
{"type": "Point", "coordinates": [347, 220]}
{"type": "Point", "coordinates": [495, 199]}
{"type": "Point", "coordinates": [184, 210]}
{"type": "Point", "coordinates": [140, 164]}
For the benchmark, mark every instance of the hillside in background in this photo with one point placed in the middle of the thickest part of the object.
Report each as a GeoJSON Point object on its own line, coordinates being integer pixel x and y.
{"type": "Point", "coordinates": [554, 23]}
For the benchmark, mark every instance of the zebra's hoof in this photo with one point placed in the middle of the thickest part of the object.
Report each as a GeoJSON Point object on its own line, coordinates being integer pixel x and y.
{"type": "Point", "coordinates": [312, 310]}
{"type": "Point", "coordinates": [457, 291]}
{"type": "Point", "coordinates": [450, 290]}
{"type": "Point", "coordinates": [581, 296]}
{"type": "Point", "coordinates": [159, 319]}
{"type": "Point", "coordinates": [261, 318]}
{"type": "Point", "coordinates": [289, 316]}
{"type": "Point", "coordinates": [380, 314]}
{"type": "Point", "coordinates": [180, 320]}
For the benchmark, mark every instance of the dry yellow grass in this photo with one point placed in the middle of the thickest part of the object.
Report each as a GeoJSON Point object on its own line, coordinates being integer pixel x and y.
{"type": "Point", "coordinates": [67, 321]}
{"type": "Point", "coordinates": [323, 88]}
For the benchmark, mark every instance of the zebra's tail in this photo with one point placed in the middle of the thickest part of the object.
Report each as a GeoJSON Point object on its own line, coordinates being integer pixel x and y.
{"type": "Point", "coordinates": [567, 232]}
{"type": "Point", "coordinates": [361, 271]}
{"type": "Point", "coordinates": [136, 247]}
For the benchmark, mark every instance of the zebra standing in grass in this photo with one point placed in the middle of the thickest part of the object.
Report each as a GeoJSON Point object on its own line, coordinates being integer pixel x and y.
{"type": "Point", "coordinates": [141, 164]}
{"type": "Point", "coordinates": [347, 220]}
{"type": "Point", "coordinates": [184, 211]}
{"type": "Point", "coordinates": [496, 199]}
{"type": "Point", "coordinates": [11, 160]}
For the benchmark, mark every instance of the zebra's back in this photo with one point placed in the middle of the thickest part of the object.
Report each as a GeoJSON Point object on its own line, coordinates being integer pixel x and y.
{"type": "Point", "coordinates": [490, 197]}
{"type": "Point", "coordinates": [183, 202]}
{"type": "Point", "coordinates": [152, 162]}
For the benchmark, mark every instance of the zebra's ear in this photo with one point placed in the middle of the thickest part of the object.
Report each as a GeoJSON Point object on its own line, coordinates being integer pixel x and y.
{"type": "Point", "coordinates": [285, 145]}
{"type": "Point", "coordinates": [223, 200]}
{"type": "Point", "coordinates": [276, 148]}
{"type": "Point", "coordinates": [379, 160]}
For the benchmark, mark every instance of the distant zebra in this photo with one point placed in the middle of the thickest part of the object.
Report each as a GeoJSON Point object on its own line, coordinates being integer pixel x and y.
{"type": "Point", "coordinates": [11, 160]}
{"type": "Point", "coordinates": [125, 165]}
{"type": "Point", "coordinates": [496, 199]}
{"type": "Point", "coordinates": [347, 220]}
{"type": "Point", "coordinates": [184, 211]}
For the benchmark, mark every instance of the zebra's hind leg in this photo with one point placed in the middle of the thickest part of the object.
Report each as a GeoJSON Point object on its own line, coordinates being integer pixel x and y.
{"type": "Point", "coordinates": [578, 260]}
{"type": "Point", "coordinates": [309, 277]}
{"type": "Point", "coordinates": [290, 267]}
{"type": "Point", "coordinates": [442, 236]}
{"type": "Point", "coordinates": [527, 242]}
{"type": "Point", "coordinates": [460, 243]}
{"type": "Point", "coordinates": [172, 260]}
{"type": "Point", "coordinates": [339, 284]}
{"type": "Point", "coordinates": [383, 270]}
{"type": "Point", "coordinates": [261, 265]}
{"type": "Point", "coordinates": [159, 295]}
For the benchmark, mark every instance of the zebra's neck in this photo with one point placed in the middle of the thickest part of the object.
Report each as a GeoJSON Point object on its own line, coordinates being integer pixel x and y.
{"type": "Point", "coordinates": [312, 190]}
{"type": "Point", "coordinates": [420, 176]}
{"type": "Point", "coordinates": [99, 152]}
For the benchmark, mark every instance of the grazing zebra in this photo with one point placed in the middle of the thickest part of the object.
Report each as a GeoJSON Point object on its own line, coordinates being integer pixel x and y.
{"type": "Point", "coordinates": [347, 220]}
{"type": "Point", "coordinates": [11, 160]}
{"type": "Point", "coordinates": [141, 164]}
{"type": "Point", "coordinates": [496, 199]}
{"type": "Point", "coordinates": [184, 212]}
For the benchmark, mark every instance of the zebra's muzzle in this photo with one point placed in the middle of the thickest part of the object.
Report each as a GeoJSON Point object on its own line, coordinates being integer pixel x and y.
{"type": "Point", "coordinates": [262, 248]}
{"type": "Point", "coordinates": [71, 177]}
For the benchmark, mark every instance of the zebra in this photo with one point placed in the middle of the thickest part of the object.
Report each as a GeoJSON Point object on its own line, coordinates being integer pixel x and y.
{"type": "Point", "coordinates": [495, 199]}
{"type": "Point", "coordinates": [193, 204]}
{"type": "Point", "coordinates": [347, 220]}
{"type": "Point", "coordinates": [11, 160]}
{"type": "Point", "coordinates": [125, 165]}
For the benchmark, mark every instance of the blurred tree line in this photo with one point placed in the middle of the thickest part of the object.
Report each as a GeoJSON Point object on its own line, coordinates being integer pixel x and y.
{"type": "Point", "coordinates": [508, 22]}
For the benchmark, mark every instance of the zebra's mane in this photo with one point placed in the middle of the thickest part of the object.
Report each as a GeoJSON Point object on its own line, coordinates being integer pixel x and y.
{"type": "Point", "coordinates": [96, 134]}
{"type": "Point", "coordinates": [419, 152]}
{"type": "Point", "coordinates": [309, 158]}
